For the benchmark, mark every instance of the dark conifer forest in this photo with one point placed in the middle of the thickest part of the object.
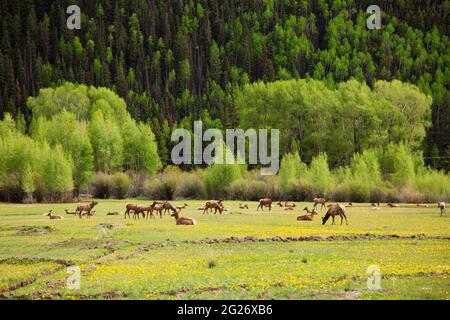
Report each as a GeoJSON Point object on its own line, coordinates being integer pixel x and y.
{"type": "Point", "coordinates": [328, 82]}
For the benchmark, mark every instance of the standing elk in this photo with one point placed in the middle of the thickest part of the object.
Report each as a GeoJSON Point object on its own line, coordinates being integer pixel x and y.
{"type": "Point", "coordinates": [158, 207]}
{"type": "Point", "coordinates": [51, 216]}
{"type": "Point", "coordinates": [86, 207]}
{"type": "Point", "coordinates": [214, 204]}
{"type": "Point", "coordinates": [182, 220]}
{"type": "Point", "coordinates": [321, 201]}
{"type": "Point", "coordinates": [335, 210]}
{"type": "Point", "coordinates": [166, 206]}
{"type": "Point", "coordinates": [266, 202]}
{"type": "Point", "coordinates": [145, 210]}
{"type": "Point", "coordinates": [130, 207]}
{"type": "Point", "coordinates": [441, 205]}
{"type": "Point", "coordinates": [309, 216]}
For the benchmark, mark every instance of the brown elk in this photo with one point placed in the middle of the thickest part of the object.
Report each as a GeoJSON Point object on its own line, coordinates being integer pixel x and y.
{"type": "Point", "coordinates": [214, 204]}
{"type": "Point", "coordinates": [243, 206]}
{"type": "Point", "coordinates": [115, 213]}
{"type": "Point", "coordinates": [321, 201]}
{"type": "Point", "coordinates": [309, 216]}
{"type": "Point", "coordinates": [392, 205]}
{"type": "Point", "coordinates": [350, 204]}
{"type": "Point", "coordinates": [130, 207]}
{"type": "Point", "coordinates": [181, 207]}
{"type": "Point", "coordinates": [441, 205]}
{"type": "Point", "coordinates": [144, 210]}
{"type": "Point", "coordinates": [422, 205]}
{"type": "Point", "coordinates": [51, 216]}
{"type": "Point", "coordinates": [167, 206]}
{"type": "Point", "coordinates": [289, 205]}
{"type": "Point", "coordinates": [335, 210]}
{"type": "Point", "coordinates": [375, 204]}
{"type": "Point", "coordinates": [182, 220]}
{"type": "Point", "coordinates": [158, 207]}
{"type": "Point", "coordinates": [86, 207]}
{"type": "Point", "coordinates": [266, 202]}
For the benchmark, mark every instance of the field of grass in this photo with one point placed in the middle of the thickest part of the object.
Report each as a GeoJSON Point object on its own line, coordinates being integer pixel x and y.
{"type": "Point", "coordinates": [241, 254]}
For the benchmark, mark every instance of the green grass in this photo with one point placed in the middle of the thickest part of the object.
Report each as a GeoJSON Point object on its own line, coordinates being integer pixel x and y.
{"type": "Point", "coordinates": [151, 259]}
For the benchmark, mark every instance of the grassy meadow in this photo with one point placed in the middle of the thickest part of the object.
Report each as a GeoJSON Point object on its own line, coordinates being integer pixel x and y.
{"type": "Point", "coordinates": [240, 254]}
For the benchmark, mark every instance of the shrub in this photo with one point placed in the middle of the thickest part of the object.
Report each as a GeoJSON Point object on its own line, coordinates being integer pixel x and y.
{"type": "Point", "coordinates": [153, 188]}
{"type": "Point", "coordinates": [101, 186]}
{"type": "Point", "coordinates": [137, 184]}
{"type": "Point", "coordinates": [120, 184]}
{"type": "Point", "coordinates": [434, 186]}
{"type": "Point", "coordinates": [245, 189]}
{"type": "Point", "coordinates": [352, 190]}
{"type": "Point", "coordinates": [190, 187]}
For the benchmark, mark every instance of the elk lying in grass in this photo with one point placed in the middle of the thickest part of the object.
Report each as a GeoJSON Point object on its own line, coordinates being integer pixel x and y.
{"type": "Point", "coordinates": [70, 212]}
{"type": "Point", "coordinates": [392, 205]}
{"type": "Point", "coordinates": [286, 204]}
{"type": "Point", "coordinates": [114, 213]}
{"type": "Point", "coordinates": [86, 207]}
{"type": "Point", "coordinates": [335, 210]}
{"type": "Point", "coordinates": [243, 206]}
{"type": "Point", "coordinates": [422, 205]}
{"type": "Point", "coordinates": [321, 201]}
{"type": "Point", "coordinates": [289, 205]}
{"type": "Point", "coordinates": [181, 207]}
{"type": "Point", "coordinates": [214, 204]}
{"type": "Point", "coordinates": [182, 220]}
{"type": "Point", "coordinates": [266, 202]}
{"type": "Point", "coordinates": [309, 216]}
{"type": "Point", "coordinates": [375, 206]}
{"type": "Point", "coordinates": [349, 205]}
{"type": "Point", "coordinates": [51, 216]}
{"type": "Point", "coordinates": [441, 205]}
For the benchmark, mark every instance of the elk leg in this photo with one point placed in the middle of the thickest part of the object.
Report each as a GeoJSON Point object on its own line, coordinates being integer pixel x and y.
{"type": "Point", "coordinates": [333, 219]}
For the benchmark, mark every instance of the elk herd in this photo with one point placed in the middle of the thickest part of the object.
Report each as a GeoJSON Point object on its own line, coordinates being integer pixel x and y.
{"type": "Point", "coordinates": [165, 207]}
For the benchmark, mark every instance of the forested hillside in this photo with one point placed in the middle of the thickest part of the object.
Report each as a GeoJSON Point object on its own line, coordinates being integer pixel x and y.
{"type": "Point", "coordinates": [176, 61]}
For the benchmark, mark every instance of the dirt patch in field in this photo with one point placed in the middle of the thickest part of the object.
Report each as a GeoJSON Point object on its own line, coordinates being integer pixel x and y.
{"type": "Point", "coordinates": [109, 226]}
{"type": "Point", "coordinates": [355, 237]}
{"type": "Point", "coordinates": [29, 260]}
{"type": "Point", "coordinates": [35, 230]}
